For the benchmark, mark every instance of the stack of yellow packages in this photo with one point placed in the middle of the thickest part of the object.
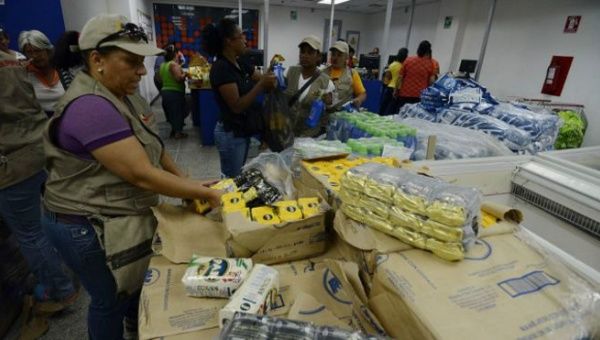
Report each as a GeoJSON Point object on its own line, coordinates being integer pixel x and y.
{"type": "Point", "coordinates": [421, 211]}
{"type": "Point", "coordinates": [335, 169]}
{"type": "Point", "coordinates": [279, 212]}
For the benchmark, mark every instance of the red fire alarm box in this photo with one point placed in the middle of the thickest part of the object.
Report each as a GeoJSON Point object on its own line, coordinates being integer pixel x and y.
{"type": "Point", "coordinates": [556, 75]}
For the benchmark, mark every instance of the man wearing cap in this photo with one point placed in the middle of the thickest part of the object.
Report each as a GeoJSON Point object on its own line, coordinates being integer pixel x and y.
{"type": "Point", "coordinates": [305, 84]}
{"type": "Point", "coordinates": [106, 170]}
{"type": "Point", "coordinates": [348, 85]}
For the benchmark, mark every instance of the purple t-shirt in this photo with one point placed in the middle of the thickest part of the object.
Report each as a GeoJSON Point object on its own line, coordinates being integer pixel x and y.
{"type": "Point", "coordinates": [89, 123]}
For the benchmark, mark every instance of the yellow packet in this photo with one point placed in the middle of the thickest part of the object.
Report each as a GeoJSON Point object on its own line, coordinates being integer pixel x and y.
{"type": "Point", "coordinates": [232, 201]}
{"type": "Point", "coordinates": [201, 206]}
{"type": "Point", "coordinates": [288, 211]}
{"type": "Point", "coordinates": [309, 206]}
{"type": "Point", "coordinates": [265, 215]}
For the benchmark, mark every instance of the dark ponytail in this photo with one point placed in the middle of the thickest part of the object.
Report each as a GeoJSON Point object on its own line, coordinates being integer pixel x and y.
{"type": "Point", "coordinates": [170, 52]}
{"type": "Point", "coordinates": [213, 36]}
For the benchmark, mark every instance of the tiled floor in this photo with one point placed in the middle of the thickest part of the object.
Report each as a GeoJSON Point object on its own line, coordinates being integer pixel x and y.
{"type": "Point", "coordinates": [198, 161]}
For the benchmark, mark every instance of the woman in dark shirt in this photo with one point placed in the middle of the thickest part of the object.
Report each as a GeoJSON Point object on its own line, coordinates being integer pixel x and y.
{"type": "Point", "coordinates": [236, 86]}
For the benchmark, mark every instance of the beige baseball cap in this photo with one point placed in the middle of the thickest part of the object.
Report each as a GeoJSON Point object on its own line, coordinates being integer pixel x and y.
{"type": "Point", "coordinates": [341, 46]}
{"type": "Point", "coordinates": [115, 30]}
{"type": "Point", "coordinates": [312, 41]}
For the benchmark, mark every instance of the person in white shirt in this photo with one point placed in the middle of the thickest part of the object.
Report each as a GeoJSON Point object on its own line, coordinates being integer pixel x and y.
{"type": "Point", "coordinates": [42, 74]}
{"type": "Point", "coordinates": [302, 95]}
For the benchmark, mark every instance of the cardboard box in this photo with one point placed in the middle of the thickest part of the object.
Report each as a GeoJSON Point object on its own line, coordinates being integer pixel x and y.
{"type": "Point", "coordinates": [165, 308]}
{"type": "Point", "coordinates": [328, 292]}
{"type": "Point", "coordinates": [276, 243]}
{"type": "Point", "coordinates": [364, 245]}
{"type": "Point", "coordinates": [182, 233]}
{"type": "Point", "coordinates": [336, 287]}
{"type": "Point", "coordinates": [503, 289]}
{"type": "Point", "coordinates": [309, 185]}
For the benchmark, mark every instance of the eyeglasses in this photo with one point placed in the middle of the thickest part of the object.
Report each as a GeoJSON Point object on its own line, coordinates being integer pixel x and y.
{"type": "Point", "coordinates": [132, 31]}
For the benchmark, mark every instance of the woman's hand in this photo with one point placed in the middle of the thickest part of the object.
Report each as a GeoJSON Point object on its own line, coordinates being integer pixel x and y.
{"type": "Point", "coordinates": [268, 81]}
{"type": "Point", "coordinates": [209, 183]}
{"type": "Point", "coordinates": [214, 198]}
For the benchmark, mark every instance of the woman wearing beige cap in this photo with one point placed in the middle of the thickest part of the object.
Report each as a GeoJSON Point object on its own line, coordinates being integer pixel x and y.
{"type": "Point", "coordinates": [305, 84]}
{"type": "Point", "coordinates": [348, 85]}
{"type": "Point", "coordinates": [106, 169]}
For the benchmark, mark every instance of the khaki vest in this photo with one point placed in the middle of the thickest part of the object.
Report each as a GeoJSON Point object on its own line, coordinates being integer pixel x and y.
{"type": "Point", "coordinates": [119, 211]}
{"type": "Point", "coordinates": [343, 88]}
{"type": "Point", "coordinates": [22, 123]}
{"type": "Point", "coordinates": [301, 108]}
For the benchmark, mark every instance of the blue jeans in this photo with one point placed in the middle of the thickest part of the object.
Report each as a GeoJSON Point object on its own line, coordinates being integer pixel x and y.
{"type": "Point", "coordinates": [21, 211]}
{"type": "Point", "coordinates": [232, 151]}
{"type": "Point", "coordinates": [81, 250]}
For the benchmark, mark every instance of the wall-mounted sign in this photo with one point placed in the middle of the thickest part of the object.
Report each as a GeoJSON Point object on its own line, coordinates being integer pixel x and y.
{"type": "Point", "coordinates": [572, 23]}
{"type": "Point", "coordinates": [294, 15]}
{"type": "Point", "coordinates": [447, 22]}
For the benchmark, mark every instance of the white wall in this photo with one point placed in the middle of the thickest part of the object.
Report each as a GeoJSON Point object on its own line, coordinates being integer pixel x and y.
{"type": "Point", "coordinates": [424, 28]}
{"type": "Point", "coordinates": [524, 37]}
{"type": "Point", "coordinates": [76, 12]}
{"type": "Point", "coordinates": [448, 41]}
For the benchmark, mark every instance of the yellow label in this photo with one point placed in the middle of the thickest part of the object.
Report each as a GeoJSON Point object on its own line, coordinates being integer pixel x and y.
{"type": "Point", "coordinates": [233, 201]}
{"type": "Point", "coordinates": [488, 220]}
{"type": "Point", "coordinates": [288, 211]}
{"type": "Point", "coordinates": [309, 206]}
{"type": "Point", "coordinates": [201, 206]}
{"type": "Point", "coordinates": [265, 215]}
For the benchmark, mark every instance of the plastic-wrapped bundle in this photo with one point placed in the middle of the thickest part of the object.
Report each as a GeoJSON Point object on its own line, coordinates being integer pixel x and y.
{"type": "Point", "coordinates": [514, 138]}
{"type": "Point", "coordinates": [309, 148]}
{"type": "Point", "coordinates": [344, 126]}
{"type": "Point", "coordinates": [421, 211]}
{"type": "Point", "coordinates": [450, 85]}
{"type": "Point", "coordinates": [453, 205]}
{"type": "Point", "coordinates": [413, 192]}
{"type": "Point", "coordinates": [432, 98]}
{"type": "Point", "coordinates": [454, 142]}
{"type": "Point", "coordinates": [571, 132]}
{"type": "Point", "coordinates": [215, 277]}
{"type": "Point", "coordinates": [543, 128]}
{"type": "Point", "coordinates": [417, 111]}
{"type": "Point", "coordinates": [250, 326]}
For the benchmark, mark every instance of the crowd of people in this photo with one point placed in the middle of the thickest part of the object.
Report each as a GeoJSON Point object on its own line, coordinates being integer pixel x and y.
{"type": "Point", "coordinates": [81, 164]}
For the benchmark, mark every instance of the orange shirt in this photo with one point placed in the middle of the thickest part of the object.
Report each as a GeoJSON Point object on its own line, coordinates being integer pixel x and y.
{"type": "Point", "coordinates": [416, 72]}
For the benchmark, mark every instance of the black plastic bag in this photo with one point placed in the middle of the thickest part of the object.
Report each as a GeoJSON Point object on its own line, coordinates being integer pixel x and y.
{"type": "Point", "coordinates": [279, 134]}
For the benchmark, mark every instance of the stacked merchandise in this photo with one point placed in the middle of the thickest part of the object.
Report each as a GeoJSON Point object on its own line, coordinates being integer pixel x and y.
{"type": "Point", "coordinates": [345, 125]}
{"type": "Point", "coordinates": [454, 142]}
{"type": "Point", "coordinates": [373, 146]}
{"type": "Point", "coordinates": [465, 103]}
{"type": "Point", "coordinates": [421, 211]}
{"type": "Point", "coordinates": [572, 132]}
{"type": "Point", "coordinates": [308, 148]}
{"type": "Point", "coordinates": [249, 287]}
{"type": "Point", "coordinates": [251, 187]}
{"type": "Point", "coordinates": [277, 212]}
{"type": "Point", "coordinates": [335, 169]}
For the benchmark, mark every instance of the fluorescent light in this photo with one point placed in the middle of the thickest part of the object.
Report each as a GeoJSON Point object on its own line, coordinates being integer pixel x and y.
{"type": "Point", "coordinates": [335, 2]}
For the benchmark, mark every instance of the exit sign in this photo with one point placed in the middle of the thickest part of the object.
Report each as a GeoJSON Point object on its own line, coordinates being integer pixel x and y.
{"type": "Point", "coordinates": [572, 24]}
